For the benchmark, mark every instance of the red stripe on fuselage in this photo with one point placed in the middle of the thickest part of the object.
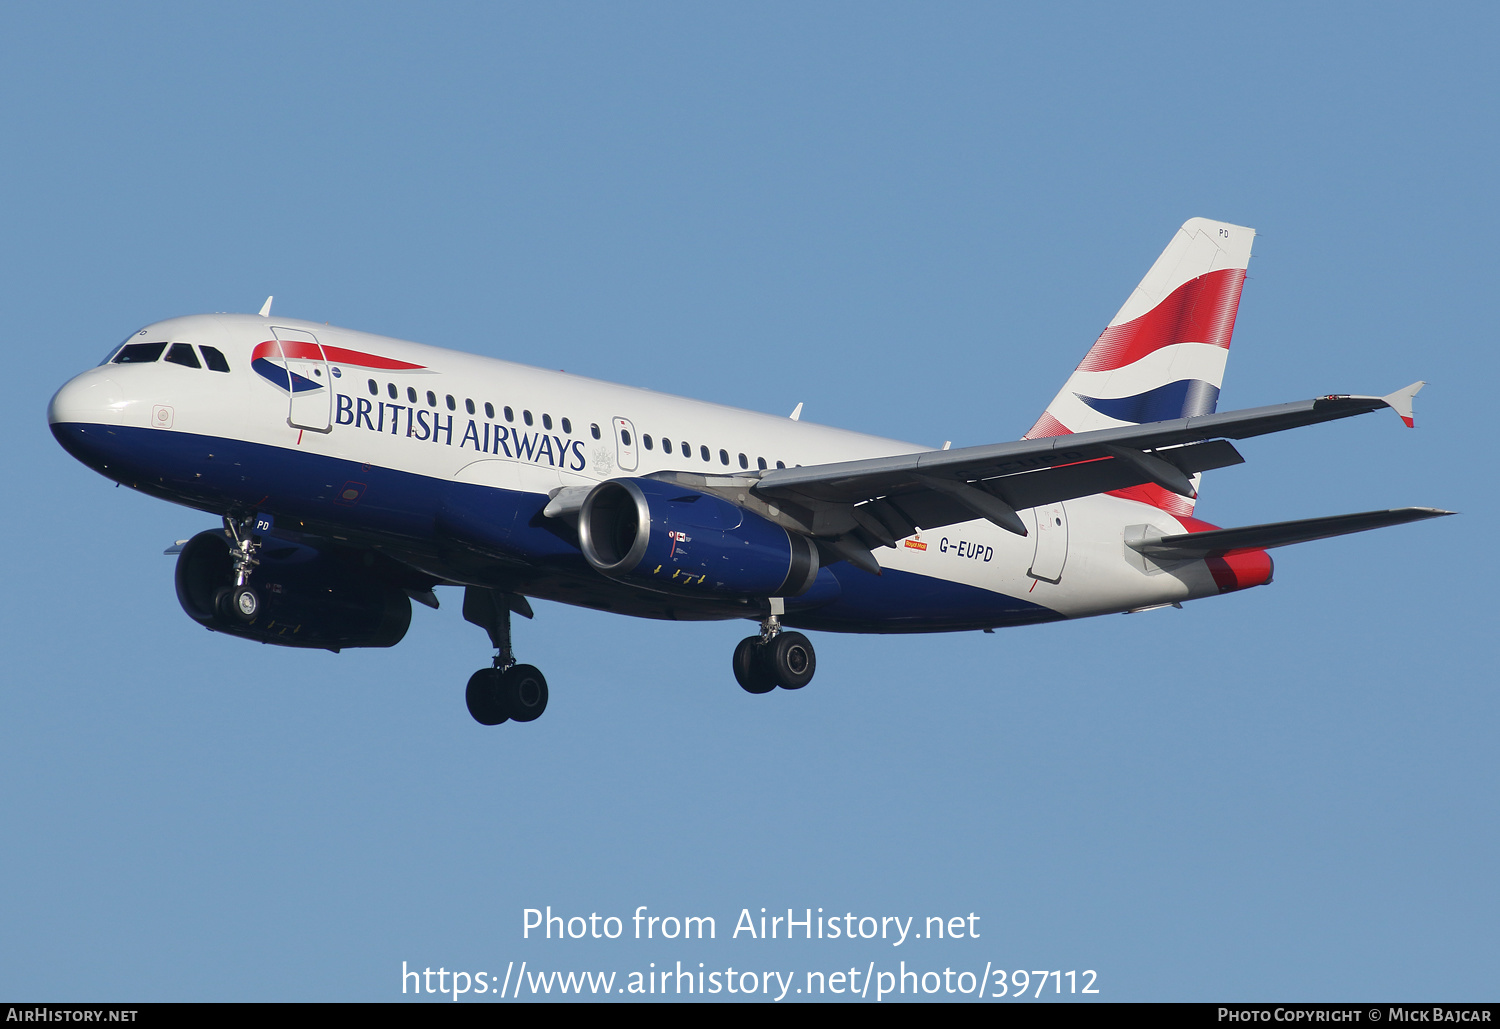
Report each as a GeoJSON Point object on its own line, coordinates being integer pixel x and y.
{"type": "Point", "coordinates": [301, 350]}
{"type": "Point", "coordinates": [339, 355]}
{"type": "Point", "coordinates": [1150, 493]}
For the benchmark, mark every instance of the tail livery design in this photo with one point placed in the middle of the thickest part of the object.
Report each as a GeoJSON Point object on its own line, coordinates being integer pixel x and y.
{"type": "Point", "coordinates": [1162, 356]}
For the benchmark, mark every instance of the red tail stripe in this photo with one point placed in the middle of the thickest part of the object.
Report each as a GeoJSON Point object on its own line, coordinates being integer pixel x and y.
{"type": "Point", "coordinates": [1150, 493]}
{"type": "Point", "coordinates": [1201, 310]}
{"type": "Point", "coordinates": [1047, 425]}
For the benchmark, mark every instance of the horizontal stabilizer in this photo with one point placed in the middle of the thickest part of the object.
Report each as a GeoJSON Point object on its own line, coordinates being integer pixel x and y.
{"type": "Point", "coordinates": [1193, 545]}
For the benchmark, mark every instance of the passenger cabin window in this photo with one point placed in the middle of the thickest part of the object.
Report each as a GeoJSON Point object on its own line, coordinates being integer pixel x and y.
{"type": "Point", "coordinates": [567, 426]}
{"type": "Point", "coordinates": [431, 399]}
{"type": "Point", "coordinates": [489, 410]}
{"type": "Point", "coordinates": [646, 439]}
{"type": "Point", "coordinates": [666, 445]}
{"type": "Point", "coordinates": [744, 463]}
{"type": "Point", "coordinates": [704, 452]}
{"type": "Point", "coordinates": [723, 457]}
{"type": "Point", "coordinates": [625, 436]}
{"type": "Point", "coordinates": [451, 405]}
{"type": "Point", "coordinates": [594, 431]}
{"type": "Point", "coordinates": [526, 417]}
{"type": "Point", "coordinates": [390, 390]}
{"type": "Point", "coordinates": [510, 416]}
{"type": "Point", "coordinates": [469, 406]}
{"type": "Point", "coordinates": [140, 353]}
{"type": "Point", "coordinates": [780, 464]}
{"type": "Point", "coordinates": [214, 359]}
{"type": "Point", "coordinates": [546, 421]}
{"type": "Point", "coordinates": [374, 388]}
{"type": "Point", "coordinates": [182, 353]}
{"type": "Point", "coordinates": [760, 463]}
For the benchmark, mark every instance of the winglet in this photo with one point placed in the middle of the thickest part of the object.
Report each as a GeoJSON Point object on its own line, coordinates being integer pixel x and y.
{"type": "Point", "coordinates": [265, 309]}
{"type": "Point", "coordinates": [1400, 402]}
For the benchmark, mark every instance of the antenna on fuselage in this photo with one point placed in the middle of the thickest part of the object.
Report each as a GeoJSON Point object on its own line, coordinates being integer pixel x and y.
{"type": "Point", "coordinates": [265, 309]}
{"type": "Point", "coordinates": [797, 413]}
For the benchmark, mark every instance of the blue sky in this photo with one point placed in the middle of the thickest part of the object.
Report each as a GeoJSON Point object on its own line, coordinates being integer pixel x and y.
{"type": "Point", "coordinates": [913, 220]}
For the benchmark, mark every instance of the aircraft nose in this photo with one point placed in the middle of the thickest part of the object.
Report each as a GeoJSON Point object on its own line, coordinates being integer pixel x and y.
{"type": "Point", "coordinates": [90, 397]}
{"type": "Point", "coordinates": [83, 414]}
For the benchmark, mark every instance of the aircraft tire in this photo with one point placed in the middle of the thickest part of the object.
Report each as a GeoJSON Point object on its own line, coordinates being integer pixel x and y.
{"type": "Point", "coordinates": [751, 669]}
{"type": "Point", "coordinates": [484, 699]}
{"type": "Point", "coordinates": [792, 660]}
{"type": "Point", "coordinates": [244, 603]}
{"type": "Point", "coordinates": [523, 692]}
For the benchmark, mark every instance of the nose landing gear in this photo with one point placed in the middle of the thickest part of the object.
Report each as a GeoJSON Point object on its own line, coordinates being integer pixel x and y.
{"type": "Point", "coordinates": [241, 601]}
{"type": "Point", "coordinates": [507, 691]}
{"type": "Point", "coordinates": [774, 658]}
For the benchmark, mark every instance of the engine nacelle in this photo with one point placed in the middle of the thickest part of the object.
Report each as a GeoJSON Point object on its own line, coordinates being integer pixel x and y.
{"type": "Point", "coordinates": [309, 597]}
{"type": "Point", "coordinates": [677, 540]}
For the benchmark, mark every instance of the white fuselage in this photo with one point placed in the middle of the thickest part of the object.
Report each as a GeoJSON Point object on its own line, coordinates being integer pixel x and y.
{"type": "Point", "coordinates": [450, 417]}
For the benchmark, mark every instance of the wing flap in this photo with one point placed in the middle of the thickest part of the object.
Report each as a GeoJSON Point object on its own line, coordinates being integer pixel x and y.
{"type": "Point", "coordinates": [1053, 485]}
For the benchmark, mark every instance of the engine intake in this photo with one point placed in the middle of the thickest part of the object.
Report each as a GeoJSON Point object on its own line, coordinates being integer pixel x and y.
{"type": "Point", "coordinates": [678, 540]}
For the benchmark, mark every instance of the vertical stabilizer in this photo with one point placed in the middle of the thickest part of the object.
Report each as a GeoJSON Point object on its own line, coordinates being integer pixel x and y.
{"type": "Point", "coordinates": [1162, 356]}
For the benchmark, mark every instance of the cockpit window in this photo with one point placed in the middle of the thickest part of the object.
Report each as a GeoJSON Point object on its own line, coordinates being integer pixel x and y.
{"type": "Point", "coordinates": [140, 353]}
{"type": "Point", "coordinates": [182, 353]}
{"type": "Point", "coordinates": [110, 357]}
{"type": "Point", "coordinates": [214, 359]}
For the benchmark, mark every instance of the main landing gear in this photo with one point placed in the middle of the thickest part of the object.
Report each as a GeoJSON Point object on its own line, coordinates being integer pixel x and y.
{"type": "Point", "coordinates": [240, 601]}
{"type": "Point", "coordinates": [774, 658]}
{"type": "Point", "coordinates": [507, 691]}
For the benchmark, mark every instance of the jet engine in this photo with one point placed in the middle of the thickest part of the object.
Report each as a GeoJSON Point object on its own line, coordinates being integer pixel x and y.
{"type": "Point", "coordinates": [677, 540]}
{"type": "Point", "coordinates": [307, 597]}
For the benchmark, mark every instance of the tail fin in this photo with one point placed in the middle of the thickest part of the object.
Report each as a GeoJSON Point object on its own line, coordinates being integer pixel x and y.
{"type": "Point", "coordinates": [1162, 356]}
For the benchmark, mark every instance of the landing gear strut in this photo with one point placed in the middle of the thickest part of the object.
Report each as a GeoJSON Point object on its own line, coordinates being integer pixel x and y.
{"type": "Point", "coordinates": [240, 601]}
{"type": "Point", "coordinates": [774, 658]}
{"type": "Point", "coordinates": [507, 691]}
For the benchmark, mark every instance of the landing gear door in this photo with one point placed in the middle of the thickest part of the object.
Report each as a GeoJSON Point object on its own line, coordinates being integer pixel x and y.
{"type": "Point", "coordinates": [310, 380]}
{"type": "Point", "coordinates": [625, 444]}
{"type": "Point", "coordinates": [1051, 543]}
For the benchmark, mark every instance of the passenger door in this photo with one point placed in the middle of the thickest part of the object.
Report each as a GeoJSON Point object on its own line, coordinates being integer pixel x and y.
{"type": "Point", "coordinates": [1051, 543]}
{"type": "Point", "coordinates": [310, 380]}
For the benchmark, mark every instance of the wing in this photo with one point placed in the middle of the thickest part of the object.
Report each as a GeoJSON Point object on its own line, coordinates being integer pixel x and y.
{"type": "Point", "coordinates": [854, 506]}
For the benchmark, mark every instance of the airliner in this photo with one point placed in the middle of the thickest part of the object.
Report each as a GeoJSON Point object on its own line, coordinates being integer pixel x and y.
{"type": "Point", "coordinates": [354, 473]}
